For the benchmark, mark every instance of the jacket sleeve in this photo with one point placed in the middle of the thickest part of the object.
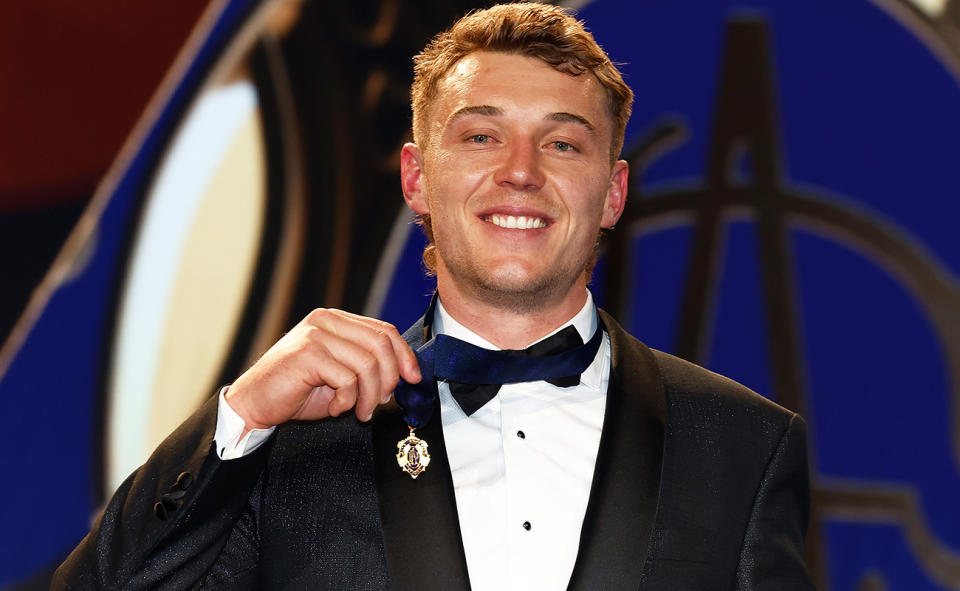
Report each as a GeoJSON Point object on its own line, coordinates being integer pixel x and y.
{"type": "Point", "coordinates": [167, 524]}
{"type": "Point", "coordinates": [772, 554]}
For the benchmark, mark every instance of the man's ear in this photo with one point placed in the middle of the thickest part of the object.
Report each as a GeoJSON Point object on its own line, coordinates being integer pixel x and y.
{"type": "Point", "coordinates": [616, 198]}
{"type": "Point", "coordinates": [411, 179]}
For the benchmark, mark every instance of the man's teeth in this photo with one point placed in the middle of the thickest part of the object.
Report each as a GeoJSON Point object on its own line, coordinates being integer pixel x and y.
{"type": "Point", "coordinates": [519, 222]}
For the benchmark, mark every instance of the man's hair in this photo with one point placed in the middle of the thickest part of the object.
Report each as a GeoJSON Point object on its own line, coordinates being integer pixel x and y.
{"type": "Point", "coordinates": [548, 33]}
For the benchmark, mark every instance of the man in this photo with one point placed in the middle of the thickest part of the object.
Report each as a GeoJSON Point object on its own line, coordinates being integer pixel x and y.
{"type": "Point", "coordinates": [639, 470]}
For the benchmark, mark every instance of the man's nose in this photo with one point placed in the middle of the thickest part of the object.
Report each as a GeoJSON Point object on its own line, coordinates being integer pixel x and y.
{"type": "Point", "coordinates": [520, 168]}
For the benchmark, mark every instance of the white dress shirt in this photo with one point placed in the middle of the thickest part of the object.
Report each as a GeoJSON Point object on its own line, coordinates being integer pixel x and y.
{"type": "Point", "coordinates": [522, 466]}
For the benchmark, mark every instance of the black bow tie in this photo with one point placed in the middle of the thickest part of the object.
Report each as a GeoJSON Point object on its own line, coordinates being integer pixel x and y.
{"type": "Point", "coordinates": [471, 397]}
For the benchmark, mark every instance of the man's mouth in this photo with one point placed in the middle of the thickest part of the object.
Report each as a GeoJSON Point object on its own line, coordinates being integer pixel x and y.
{"type": "Point", "coordinates": [521, 222]}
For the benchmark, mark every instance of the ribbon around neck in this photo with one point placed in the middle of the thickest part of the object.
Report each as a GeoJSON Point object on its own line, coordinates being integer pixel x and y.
{"type": "Point", "coordinates": [448, 358]}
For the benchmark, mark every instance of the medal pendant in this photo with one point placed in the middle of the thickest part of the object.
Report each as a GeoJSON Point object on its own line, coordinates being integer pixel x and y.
{"type": "Point", "coordinates": [412, 455]}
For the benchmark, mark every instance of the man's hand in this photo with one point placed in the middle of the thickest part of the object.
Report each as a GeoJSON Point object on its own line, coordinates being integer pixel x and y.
{"type": "Point", "coordinates": [327, 364]}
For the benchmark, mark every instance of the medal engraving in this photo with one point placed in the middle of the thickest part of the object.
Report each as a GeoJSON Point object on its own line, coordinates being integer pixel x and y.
{"type": "Point", "coordinates": [412, 455]}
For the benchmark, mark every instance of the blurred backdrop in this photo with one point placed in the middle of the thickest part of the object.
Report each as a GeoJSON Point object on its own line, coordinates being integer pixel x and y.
{"type": "Point", "coordinates": [180, 183]}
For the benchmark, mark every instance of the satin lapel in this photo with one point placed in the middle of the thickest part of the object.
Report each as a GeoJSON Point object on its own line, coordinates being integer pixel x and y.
{"type": "Point", "coordinates": [626, 481]}
{"type": "Point", "coordinates": [421, 530]}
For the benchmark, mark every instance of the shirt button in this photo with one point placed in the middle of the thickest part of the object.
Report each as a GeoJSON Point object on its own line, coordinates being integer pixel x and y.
{"type": "Point", "coordinates": [522, 435]}
{"type": "Point", "coordinates": [526, 525]}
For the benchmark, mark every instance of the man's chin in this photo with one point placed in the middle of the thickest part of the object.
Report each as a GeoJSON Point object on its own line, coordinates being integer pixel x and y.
{"type": "Point", "coordinates": [522, 292]}
{"type": "Point", "coordinates": [511, 284]}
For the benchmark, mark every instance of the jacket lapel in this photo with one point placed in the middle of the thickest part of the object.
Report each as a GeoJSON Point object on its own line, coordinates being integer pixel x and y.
{"type": "Point", "coordinates": [623, 498]}
{"type": "Point", "coordinates": [421, 529]}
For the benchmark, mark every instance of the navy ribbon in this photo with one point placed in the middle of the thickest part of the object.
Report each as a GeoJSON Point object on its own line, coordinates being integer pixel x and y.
{"type": "Point", "coordinates": [416, 400]}
{"type": "Point", "coordinates": [448, 358]}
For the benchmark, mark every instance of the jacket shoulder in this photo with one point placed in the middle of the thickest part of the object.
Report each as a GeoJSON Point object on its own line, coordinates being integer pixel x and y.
{"type": "Point", "coordinates": [696, 400]}
{"type": "Point", "coordinates": [686, 382]}
{"type": "Point", "coordinates": [683, 382]}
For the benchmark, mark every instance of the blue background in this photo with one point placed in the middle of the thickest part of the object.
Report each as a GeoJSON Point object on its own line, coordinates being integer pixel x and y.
{"type": "Point", "coordinates": [869, 120]}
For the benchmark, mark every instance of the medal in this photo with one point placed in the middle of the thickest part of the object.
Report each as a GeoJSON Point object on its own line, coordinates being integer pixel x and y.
{"type": "Point", "coordinates": [412, 455]}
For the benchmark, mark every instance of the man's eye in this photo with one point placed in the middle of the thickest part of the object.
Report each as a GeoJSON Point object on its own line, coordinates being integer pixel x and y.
{"type": "Point", "coordinates": [563, 146]}
{"type": "Point", "coordinates": [480, 139]}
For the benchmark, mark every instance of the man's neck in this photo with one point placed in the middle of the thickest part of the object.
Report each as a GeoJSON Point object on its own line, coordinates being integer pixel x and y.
{"type": "Point", "coordinates": [509, 328]}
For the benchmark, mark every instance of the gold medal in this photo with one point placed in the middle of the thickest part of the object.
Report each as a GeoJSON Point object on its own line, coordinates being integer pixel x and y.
{"type": "Point", "coordinates": [412, 455]}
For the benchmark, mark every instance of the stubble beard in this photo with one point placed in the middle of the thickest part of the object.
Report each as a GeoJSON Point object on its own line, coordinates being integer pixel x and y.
{"type": "Point", "coordinates": [511, 290]}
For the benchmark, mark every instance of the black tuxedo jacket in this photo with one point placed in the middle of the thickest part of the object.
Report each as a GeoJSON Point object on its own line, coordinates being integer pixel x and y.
{"type": "Point", "coordinates": [699, 484]}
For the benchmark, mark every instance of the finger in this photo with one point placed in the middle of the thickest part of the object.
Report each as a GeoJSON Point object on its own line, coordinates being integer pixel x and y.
{"type": "Point", "coordinates": [371, 332]}
{"type": "Point", "coordinates": [334, 382]}
{"type": "Point", "coordinates": [375, 339]}
{"type": "Point", "coordinates": [317, 404]}
{"type": "Point", "coordinates": [343, 399]}
{"type": "Point", "coordinates": [407, 360]}
{"type": "Point", "coordinates": [364, 365]}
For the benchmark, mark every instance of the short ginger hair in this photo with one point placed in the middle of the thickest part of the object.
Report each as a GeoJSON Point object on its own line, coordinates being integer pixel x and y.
{"type": "Point", "coordinates": [548, 33]}
{"type": "Point", "coordinates": [542, 31]}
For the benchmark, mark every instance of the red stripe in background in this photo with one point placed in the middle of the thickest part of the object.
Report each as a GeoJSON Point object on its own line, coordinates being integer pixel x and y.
{"type": "Point", "coordinates": [75, 78]}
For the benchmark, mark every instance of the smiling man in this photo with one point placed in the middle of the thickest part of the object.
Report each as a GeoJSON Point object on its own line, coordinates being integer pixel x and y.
{"type": "Point", "coordinates": [516, 176]}
{"type": "Point", "coordinates": [532, 443]}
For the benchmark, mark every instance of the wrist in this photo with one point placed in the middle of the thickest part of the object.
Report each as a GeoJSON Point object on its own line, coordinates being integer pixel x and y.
{"type": "Point", "coordinates": [241, 404]}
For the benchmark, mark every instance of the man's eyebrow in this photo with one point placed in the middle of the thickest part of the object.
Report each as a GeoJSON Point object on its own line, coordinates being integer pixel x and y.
{"type": "Point", "coordinates": [491, 111]}
{"type": "Point", "coordinates": [570, 118]}
{"type": "Point", "coordinates": [484, 110]}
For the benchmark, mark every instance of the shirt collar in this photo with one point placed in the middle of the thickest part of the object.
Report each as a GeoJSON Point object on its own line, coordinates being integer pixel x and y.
{"type": "Point", "coordinates": [585, 321]}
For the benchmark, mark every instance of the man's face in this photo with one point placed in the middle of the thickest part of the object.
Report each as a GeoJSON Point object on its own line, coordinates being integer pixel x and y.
{"type": "Point", "coordinates": [516, 178]}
